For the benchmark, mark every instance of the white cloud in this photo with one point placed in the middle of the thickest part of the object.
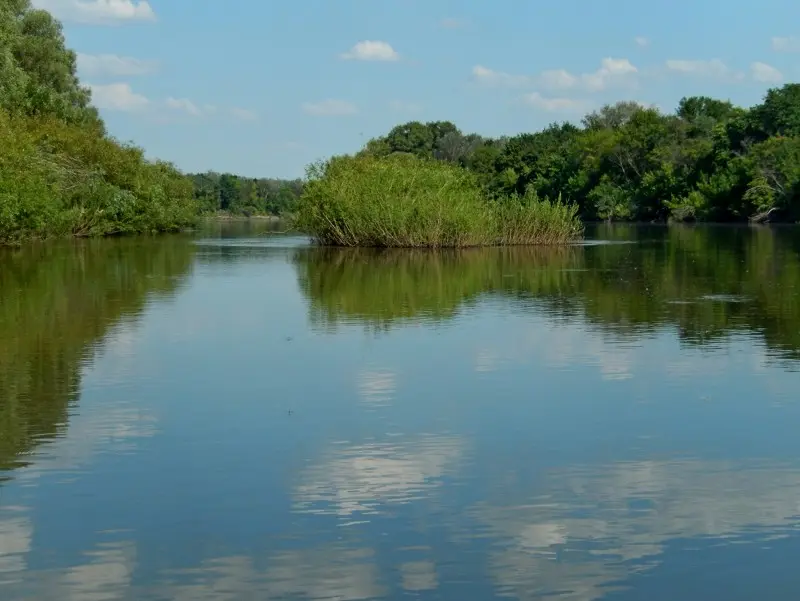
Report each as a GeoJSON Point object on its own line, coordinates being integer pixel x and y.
{"type": "Point", "coordinates": [368, 478]}
{"type": "Point", "coordinates": [330, 107]}
{"type": "Point", "coordinates": [16, 533]}
{"type": "Point", "coordinates": [765, 73]}
{"type": "Point", "coordinates": [499, 78]}
{"type": "Point", "coordinates": [558, 79]}
{"type": "Point", "coordinates": [790, 44]}
{"type": "Point", "coordinates": [119, 429]}
{"type": "Point", "coordinates": [243, 114]}
{"type": "Point", "coordinates": [98, 12]}
{"type": "Point", "coordinates": [377, 387]}
{"type": "Point", "coordinates": [535, 99]}
{"type": "Point", "coordinates": [419, 576]}
{"type": "Point", "coordinates": [103, 573]}
{"type": "Point", "coordinates": [98, 65]}
{"type": "Point", "coordinates": [713, 68]}
{"type": "Point", "coordinates": [371, 51]}
{"type": "Point", "coordinates": [117, 97]}
{"type": "Point", "coordinates": [120, 97]}
{"type": "Point", "coordinates": [641, 41]}
{"type": "Point", "coordinates": [185, 105]}
{"type": "Point", "coordinates": [401, 106]}
{"type": "Point", "coordinates": [612, 71]}
{"type": "Point", "coordinates": [320, 572]}
{"type": "Point", "coordinates": [723, 503]}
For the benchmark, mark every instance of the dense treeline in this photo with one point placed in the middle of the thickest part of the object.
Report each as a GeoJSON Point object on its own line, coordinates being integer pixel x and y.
{"type": "Point", "coordinates": [245, 196]}
{"type": "Point", "coordinates": [710, 161]}
{"type": "Point", "coordinates": [60, 173]}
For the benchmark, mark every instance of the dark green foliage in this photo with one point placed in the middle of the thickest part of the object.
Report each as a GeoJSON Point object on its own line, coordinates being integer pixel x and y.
{"type": "Point", "coordinates": [779, 114]}
{"type": "Point", "coordinates": [37, 71]}
{"type": "Point", "coordinates": [710, 161]}
{"type": "Point", "coordinates": [245, 196]}
{"type": "Point", "coordinates": [60, 174]}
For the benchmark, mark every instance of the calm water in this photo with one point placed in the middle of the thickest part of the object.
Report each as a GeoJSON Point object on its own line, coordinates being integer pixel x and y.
{"type": "Point", "coordinates": [240, 416]}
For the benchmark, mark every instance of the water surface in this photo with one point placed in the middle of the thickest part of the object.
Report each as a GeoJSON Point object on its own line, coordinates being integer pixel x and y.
{"type": "Point", "coordinates": [238, 415]}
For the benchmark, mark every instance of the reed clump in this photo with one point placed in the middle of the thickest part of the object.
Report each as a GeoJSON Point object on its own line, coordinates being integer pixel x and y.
{"type": "Point", "coordinates": [405, 201]}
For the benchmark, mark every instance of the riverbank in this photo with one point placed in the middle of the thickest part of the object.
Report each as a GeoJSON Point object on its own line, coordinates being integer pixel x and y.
{"type": "Point", "coordinates": [61, 173]}
{"type": "Point", "coordinates": [61, 179]}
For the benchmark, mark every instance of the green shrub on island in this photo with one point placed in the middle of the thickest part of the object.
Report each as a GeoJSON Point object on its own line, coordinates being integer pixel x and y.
{"type": "Point", "coordinates": [405, 201]}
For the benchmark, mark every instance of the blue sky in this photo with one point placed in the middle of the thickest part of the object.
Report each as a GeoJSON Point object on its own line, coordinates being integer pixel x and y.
{"type": "Point", "coordinates": [263, 87]}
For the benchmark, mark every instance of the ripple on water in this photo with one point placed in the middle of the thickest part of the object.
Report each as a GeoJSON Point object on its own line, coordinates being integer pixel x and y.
{"type": "Point", "coordinates": [725, 298]}
{"type": "Point", "coordinates": [601, 242]}
{"type": "Point", "coordinates": [276, 241]}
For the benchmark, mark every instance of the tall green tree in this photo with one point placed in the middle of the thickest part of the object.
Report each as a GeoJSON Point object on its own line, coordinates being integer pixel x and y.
{"type": "Point", "coordinates": [709, 160]}
{"type": "Point", "coordinates": [228, 191]}
{"type": "Point", "coordinates": [779, 114]}
{"type": "Point", "coordinates": [60, 174]}
{"type": "Point", "coordinates": [37, 71]}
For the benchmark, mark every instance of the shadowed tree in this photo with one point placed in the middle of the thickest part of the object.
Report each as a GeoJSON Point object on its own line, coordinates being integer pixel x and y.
{"type": "Point", "coordinates": [696, 108]}
{"type": "Point", "coordinates": [779, 114]}
{"type": "Point", "coordinates": [612, 116]}
{"type": "Point", "coordinates": [413, 137]}
{"type": "Point", "coordinates": [455, 147]}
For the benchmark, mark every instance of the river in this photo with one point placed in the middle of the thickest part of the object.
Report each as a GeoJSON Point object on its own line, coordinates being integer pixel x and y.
{"type": "Point", "coordinates": [236, 415]}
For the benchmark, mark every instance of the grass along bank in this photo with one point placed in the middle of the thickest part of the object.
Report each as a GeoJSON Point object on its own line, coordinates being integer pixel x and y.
{"type": "Point", "coordinates": [406, 201]}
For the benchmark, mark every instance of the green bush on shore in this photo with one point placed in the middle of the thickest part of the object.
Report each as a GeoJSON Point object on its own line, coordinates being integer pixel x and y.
{"type": "Point", "coordinates": [60, 173]}
{"type": "Point", "coordinates": [405, 201]}
{"type": "Point", "coordinates": [58, 179]}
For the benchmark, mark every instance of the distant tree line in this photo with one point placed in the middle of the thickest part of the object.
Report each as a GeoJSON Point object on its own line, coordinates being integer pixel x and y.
{"type": "Point", "coordinates": [239, 195]}
{"type": "Point", "coordinates": [709, 161]}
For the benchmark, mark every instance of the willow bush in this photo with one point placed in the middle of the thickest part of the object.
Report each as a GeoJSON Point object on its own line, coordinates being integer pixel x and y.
{"type": "Point", "coordinates": [58, 179]}
{"type": "Point", "coordinates": [60, 172]}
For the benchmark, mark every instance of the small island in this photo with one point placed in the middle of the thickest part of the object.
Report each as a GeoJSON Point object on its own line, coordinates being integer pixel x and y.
{"type": "Point", "coordinates": [406, 201]}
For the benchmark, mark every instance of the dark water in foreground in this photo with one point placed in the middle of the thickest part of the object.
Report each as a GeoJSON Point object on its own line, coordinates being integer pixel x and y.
{"type": "Point", "coordinates": [243, 417]}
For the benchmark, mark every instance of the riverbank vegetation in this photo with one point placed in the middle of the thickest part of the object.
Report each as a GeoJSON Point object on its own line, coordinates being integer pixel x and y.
{"type": "Point", "coordinates": [708, 161]}
{"type": "Point", "coordinates": [407, 201]}
{"type": "Point", "coordinates": [429, 184]}
{"type": "Point", "coordinates": [234, 195]}
{"type": "Point", "coordinates": [60, 172]}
